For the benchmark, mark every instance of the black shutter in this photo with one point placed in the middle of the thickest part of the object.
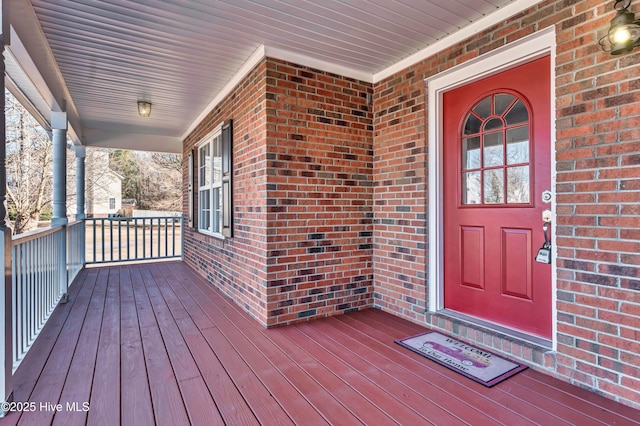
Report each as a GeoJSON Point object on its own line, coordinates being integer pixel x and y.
{"type": "Point", "coordinates": [227, 172]}
{"type": "Point", "coordinates": [191, 193]}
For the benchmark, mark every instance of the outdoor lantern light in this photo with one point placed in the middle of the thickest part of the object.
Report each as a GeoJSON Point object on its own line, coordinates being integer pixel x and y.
{"type": "Point", "coordinates": [144, 108]}
{"type": "Point", "coordinates": [624, 32]}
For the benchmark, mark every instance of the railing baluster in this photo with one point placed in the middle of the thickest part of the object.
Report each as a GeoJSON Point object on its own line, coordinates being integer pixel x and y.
{"type": "Point", "coordinates": [38, 276]}
{"type": "Point", "coordinates": [151, 236]}
{"type": "Point", "coordinates": [25, 290]}
{"type": "Point", "coordinates": [166, 237]}
{"type": "Point", "coordinates": [41, 249]}
{"type": "Point", "coordinates": [25, 297]}
{"type": "Point", "coordinates": [102, 242]}
{"type": "Point", "coordinates": [111, 240]}
{"type": "Point", "coordinates": [144, 238]}
{"type": "Point", "coordinates": [128, 239]}
{"type": "Point", "coordinates": [135, 233]}
{"type": "Point", "coordinates": [16, 279]}
{"type": "Point", "coordinates": [49, 280]}
{"type": "Point", "coordinates": [161, 227]}
{"type": "Point", "coordinates": [119, 239]}
{"type": "Point", "coordinates": [40, 289]}
{"type": "Point", "coordinates": [30, 306]}
{"type": "Point", "coordinates": [173, 238]}
{"type": "Point", "coordinates": [37, 288]}
{"type": "Point", "coordinates": [95, 240]}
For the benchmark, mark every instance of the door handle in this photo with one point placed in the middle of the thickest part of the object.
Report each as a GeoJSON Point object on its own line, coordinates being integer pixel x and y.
{"type": "Point", "coordinates": [547, 215]}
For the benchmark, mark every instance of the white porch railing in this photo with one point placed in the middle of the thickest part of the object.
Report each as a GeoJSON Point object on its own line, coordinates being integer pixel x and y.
{"type": "Point", "coordinates": [37, 273]}
{"type": "Point", "coordinates": [75, 249]}
{"type": "Point", "coordinates": [45, 262]}
{"type": "Point", "coordinates": [123, 239]}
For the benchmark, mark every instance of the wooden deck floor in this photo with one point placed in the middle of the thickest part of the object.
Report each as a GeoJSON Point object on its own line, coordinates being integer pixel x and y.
{"type": "Point", "coordinates": [154, 344]}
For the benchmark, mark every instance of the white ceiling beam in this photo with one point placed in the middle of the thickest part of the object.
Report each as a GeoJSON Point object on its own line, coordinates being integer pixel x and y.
{"type": "Point", "coordinates": [123, 139]}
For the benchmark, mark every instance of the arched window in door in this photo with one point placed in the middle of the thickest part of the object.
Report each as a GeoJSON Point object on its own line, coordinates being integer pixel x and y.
{"type": "Point", "coordinates": [496, 152]}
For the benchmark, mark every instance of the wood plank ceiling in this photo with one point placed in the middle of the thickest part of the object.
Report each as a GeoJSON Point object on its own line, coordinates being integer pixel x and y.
{"type": "Point", "coordinates": [179, 54]}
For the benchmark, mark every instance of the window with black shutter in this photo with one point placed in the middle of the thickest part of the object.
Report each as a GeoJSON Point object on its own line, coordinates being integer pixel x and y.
{"type": "Point", "coordinates": [214, 174]}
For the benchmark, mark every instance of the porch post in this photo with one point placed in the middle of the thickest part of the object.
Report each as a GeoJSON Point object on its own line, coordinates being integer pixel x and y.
{"type": "Point", "coordinates": [81, 154]}
{"type": "Point", "coordinates": [6, 297]}
{"type": "Point", "coordinates": [59, 218]}
{"type": "Point", "coordinates": [59, 129]}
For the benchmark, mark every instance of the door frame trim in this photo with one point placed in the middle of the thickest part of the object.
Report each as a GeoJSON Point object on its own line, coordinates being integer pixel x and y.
{"type": "Point", "coordinates": [528, 48]}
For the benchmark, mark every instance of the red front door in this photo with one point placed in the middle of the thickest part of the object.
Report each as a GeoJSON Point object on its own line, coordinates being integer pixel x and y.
{"type": "Point", "coordinates": [496, 167]}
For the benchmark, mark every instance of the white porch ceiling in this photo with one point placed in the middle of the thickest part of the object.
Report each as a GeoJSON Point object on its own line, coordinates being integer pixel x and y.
{"type": "Point", "coordinates": [101, 56]}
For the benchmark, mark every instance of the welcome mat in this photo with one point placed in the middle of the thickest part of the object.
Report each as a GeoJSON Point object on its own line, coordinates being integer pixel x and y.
{"type": "Point", "coordinates": [477, 364]}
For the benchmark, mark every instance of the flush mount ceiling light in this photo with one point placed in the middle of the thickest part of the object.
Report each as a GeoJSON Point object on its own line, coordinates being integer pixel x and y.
{"type": "Point", "coordinates": [624, 31]}
{"type": "Point", "coordinates": [144, 108]}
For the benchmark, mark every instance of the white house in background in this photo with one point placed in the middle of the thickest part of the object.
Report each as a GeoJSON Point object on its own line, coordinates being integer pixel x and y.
{"type": "Point", "coordinates": [103, 186]}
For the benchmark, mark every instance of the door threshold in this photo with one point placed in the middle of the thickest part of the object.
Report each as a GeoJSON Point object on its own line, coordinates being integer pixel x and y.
{"type": "Point", "coordinates": [492, 328]}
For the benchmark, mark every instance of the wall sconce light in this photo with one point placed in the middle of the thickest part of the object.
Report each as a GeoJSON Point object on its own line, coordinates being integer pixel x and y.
{"type": "Point", "coordinates": [144, 108]}
{"type": "Point", "coordinates": [624, 31]}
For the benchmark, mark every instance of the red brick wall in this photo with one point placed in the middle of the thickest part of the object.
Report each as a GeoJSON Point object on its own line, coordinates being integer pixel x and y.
{"type": "Point", "coordinates": [319, 193]}
{"type": "Point", "coordinates": [598, 163]}
{"type": "Point", "coordinates": [303, 196]}
{"type": "Point", "coordinates": [237, 265]}
{"type": "Point", "coordinates": [400, 207]}
{"type": "Point", "coordinates": [598, 194]}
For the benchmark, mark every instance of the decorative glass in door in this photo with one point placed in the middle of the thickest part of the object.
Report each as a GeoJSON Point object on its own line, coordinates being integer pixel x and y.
{"type": "Point", "coordinates": [496, 159]}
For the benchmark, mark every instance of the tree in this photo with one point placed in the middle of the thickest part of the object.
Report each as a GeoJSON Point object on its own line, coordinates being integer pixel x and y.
{"type": "Point", "coordinates": [154, 180]}
{"type": "Point", "coordinates": [167, 173]}
{"type": "Point", "coordinates": [126, 164]}
{"type": "Point", "coordinates": [29, 167]}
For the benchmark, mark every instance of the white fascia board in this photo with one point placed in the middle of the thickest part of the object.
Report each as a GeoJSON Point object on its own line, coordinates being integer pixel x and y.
{"type": "Point", "coordinates": [476, 27]}
{"type": "Point", "coordinates": [17, 54]}
{"type": "Point", "coordinates": [24, 100]}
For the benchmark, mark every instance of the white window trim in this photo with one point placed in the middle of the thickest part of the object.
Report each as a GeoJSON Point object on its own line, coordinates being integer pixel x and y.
{"type": "Point", "coordinates": [208, 139]}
